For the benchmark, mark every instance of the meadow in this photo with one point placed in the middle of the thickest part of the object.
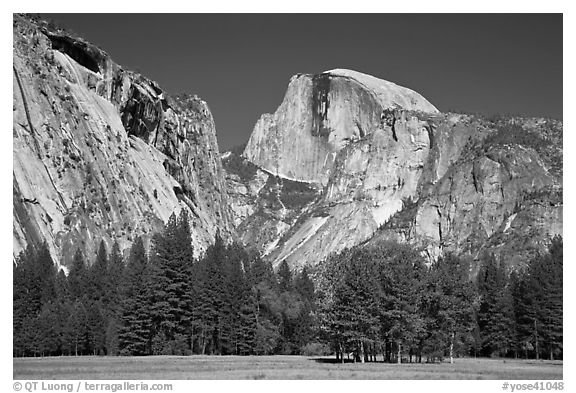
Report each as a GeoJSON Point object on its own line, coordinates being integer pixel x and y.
{"type": "Point", "coordinates": [274, 367]}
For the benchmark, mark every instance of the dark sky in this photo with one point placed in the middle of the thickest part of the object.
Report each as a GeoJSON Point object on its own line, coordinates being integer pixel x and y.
{"type": "Point", "coordinates": [241, 64]}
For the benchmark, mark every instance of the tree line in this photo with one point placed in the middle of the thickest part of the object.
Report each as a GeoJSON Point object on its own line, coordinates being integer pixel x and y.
{"type": "Point", "coordinates": [384, 300]}
{"type": "Point", "coordinates": [370, 303]}
{"type": "Point", "coordinates": [163, 301]}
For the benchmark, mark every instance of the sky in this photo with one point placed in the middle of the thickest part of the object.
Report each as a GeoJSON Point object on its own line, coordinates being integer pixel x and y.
{"type": "Point", "coordinates": [240, 64]}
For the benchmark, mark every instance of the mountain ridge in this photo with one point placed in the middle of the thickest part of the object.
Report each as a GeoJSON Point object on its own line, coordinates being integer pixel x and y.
{"type": "Point", "coordinates": [101, 152]}
{"type": "Point", "coordinates": [405, 162]}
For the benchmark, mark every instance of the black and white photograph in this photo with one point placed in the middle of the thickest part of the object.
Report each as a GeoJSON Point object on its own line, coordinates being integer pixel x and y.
{"type": "Point", "coordinates": [286, 196]}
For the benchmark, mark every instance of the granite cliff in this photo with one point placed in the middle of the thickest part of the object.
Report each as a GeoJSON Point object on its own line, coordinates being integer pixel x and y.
{"type": "Point", "coordinates": [321, 114]}
{"type": "Point", "coordinates": [374, 160]}
{"type": "Point", "coordinates": [101, 152]}
{"type": "Point", "coordinates": [104, 153]}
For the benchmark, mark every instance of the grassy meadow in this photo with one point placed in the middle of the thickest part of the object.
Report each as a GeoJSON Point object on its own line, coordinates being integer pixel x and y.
{"type": "Point", "coordinates": [274, 367]}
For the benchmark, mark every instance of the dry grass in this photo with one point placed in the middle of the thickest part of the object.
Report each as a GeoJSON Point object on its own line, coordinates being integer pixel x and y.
{"type": "Point", "coordinates": [273, 367]}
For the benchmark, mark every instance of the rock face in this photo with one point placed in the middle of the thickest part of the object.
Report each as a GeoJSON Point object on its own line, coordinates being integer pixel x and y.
{"type": "Point", "coordinates": [264, 206]}
{"type": "Point", "coordinates": [100, 152]}
{"type": "Point", "coordinates": [388, 165]}
{"type": "Point", "coordinates": [319, 116]}
{"type": "Point", "coordinates": [502, 192]}
{"type": "Point", "coordinates": [103, 153]}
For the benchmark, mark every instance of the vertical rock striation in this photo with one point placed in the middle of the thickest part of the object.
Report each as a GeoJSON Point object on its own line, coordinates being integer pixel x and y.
{"type": "Point", "coordinates": [103, 153]}
{"type": "Point", "coordinates": [320, 115]}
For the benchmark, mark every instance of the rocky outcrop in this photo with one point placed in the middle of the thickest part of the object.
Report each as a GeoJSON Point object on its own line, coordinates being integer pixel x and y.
{"type": "Point", "coordinates": [502, 194]}
{"type": "Point", "coordinates": [319, 116]}
{"type": "Point", "coordinates": [103, 153]}
{"type": "Point", "coordinates": [390, 166]}
{"type": "Point", "coordinates": [264, 206]}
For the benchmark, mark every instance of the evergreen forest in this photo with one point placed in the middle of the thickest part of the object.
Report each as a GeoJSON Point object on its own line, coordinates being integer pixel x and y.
{"type": "Point", "coordinates": [369, 303]}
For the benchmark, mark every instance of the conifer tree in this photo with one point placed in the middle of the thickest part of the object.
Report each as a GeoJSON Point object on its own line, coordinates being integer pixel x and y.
{"type": "Point", "coordinates": [135, 336]}
{"type": "Point", "coordinates": [49, 330]}
{"type": "Point", "coordinates": [77, 325]}
{"type": "Point", "coordinates": [163, 302]}
{"type": "Point", "coordinates": [401, 273]}
{"type": "Point", "coordinates": [553, 301]}
{"type": "Point", "coordinates": [171, 302]}
{"type": "Point", "coordinates": [284, 277]}
{"type": "Point", "coordinates": [96, 327]}
{"type": "Point", "coordinates": [264, 298]}
{"type": "Point", "coordinates": [45, 275]}
{"type": "Point", "coordinates": [213, 304]}
{"type": "Point", "coordinates": [304, 286]}
{"type": "Point", "coordinates": [446, 301]}
{"type": "Point", "coordinates": [113, 297]}
{"type": "Point", "coordinates": [235, 292]}
{"type": "Point", "coordinates": [33, 287]}
{"type": "Point", "coordinates": [538, 298]}
{"type": "Point", "coordinates": [99, 280]}
{"type": "Point", "coordinates": [77, 278]}
{"type": "Point", "coordinates": [355, 313]}
{"type": "Point", "coordinates": [303, 331]}
{"type": "Point", "coordinates": [496, 313]}
{"type": "Point", "coordinates": [21, 301]}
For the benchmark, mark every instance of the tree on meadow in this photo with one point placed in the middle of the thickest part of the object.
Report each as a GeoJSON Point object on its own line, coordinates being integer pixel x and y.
{"type": "Point", "coordinates": [538, 297]}
{"type": "Point", "coordinates": [496, 312]}
{"type": "Point", "coordinates": [170, 267]}
{"type": "Point", "coordinates": [447, 305]}
{"type": "Point", "coordinates": [134, 335]}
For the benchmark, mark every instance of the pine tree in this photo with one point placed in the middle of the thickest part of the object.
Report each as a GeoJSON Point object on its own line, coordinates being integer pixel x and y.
{"type": "Point", "coordinates": [539, 302]}
{"type": "Point", "coordinates": [212, 303]}
{"type": "Point", "coordinates": [263, 300]}
{"type": "Point", "coordinates": [96, 323]}
{"type": "Point", "coordinates": [99, 281]}
{"type": "Point", "coordinates": [113, 298]}
{"type": "Point", "coordinates": [248, 323]}
{"type": "Point", "coordinates": [355, 313]}
{"type": "Point", "coordinates": [401, 272]}
{"type": "Point", "coordinates": [77, 278]}
{"type": "Point", "coordinates": [284, 277]}
{"type": "Point", "coordinates": [185, 261]}
{"type": "Point", "coordinates": [163, 307]}
{"type": "Point", "coordinates": [235, 293]}
{"type": "Point", "coordinates": [261, 272]}
{"type": "Point", "coordinates": [49, 329]}
{"type": "Point", "coordinates": [97, 301]}
{"type": "Point", "coordinates": [171, 302]}
{"type": "Point", "coordinates": [77, 326]}
{"type": "Point", "coordinates": [368, 300]}
{"type": "Point", "coordinates": [303, 331]}
{"type": "Point", "coordinates": [63, 294]}
{"type": "Point", "coordinates": [135, 334]}
{"type": "Point", "coordinates": [45, 275]}
{"type": "Point", "coordinates": [304, 286]}
{"type": "Point", "coordinates": [116, 279]}
{"type": "Point", "coordinates": [33, 287]}
{"type": "Point", "coordinates": [20, 302]}
{"type": "Point", "coordinates": [291, 306]}
{"type": "Point", "coordinates": [553, 300]}
{"type": "Point", "coordinates": [496, 313]}
{"type": "Point", "coordinates": [447, 305]}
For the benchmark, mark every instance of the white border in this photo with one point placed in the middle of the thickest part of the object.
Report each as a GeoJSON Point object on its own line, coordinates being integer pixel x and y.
{"type": "Point", "coordinates": [294, 6]}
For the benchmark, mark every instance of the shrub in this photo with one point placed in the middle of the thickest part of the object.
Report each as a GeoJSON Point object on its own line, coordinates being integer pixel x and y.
{"type": "Point", "coordinates": [510, 133]}
{"type": "Point", "coordinates": [296, 194]}
{"type": "Point", "coordinates": [239, 166]}
{"type": "Point", "coordinates": [315, 349]}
